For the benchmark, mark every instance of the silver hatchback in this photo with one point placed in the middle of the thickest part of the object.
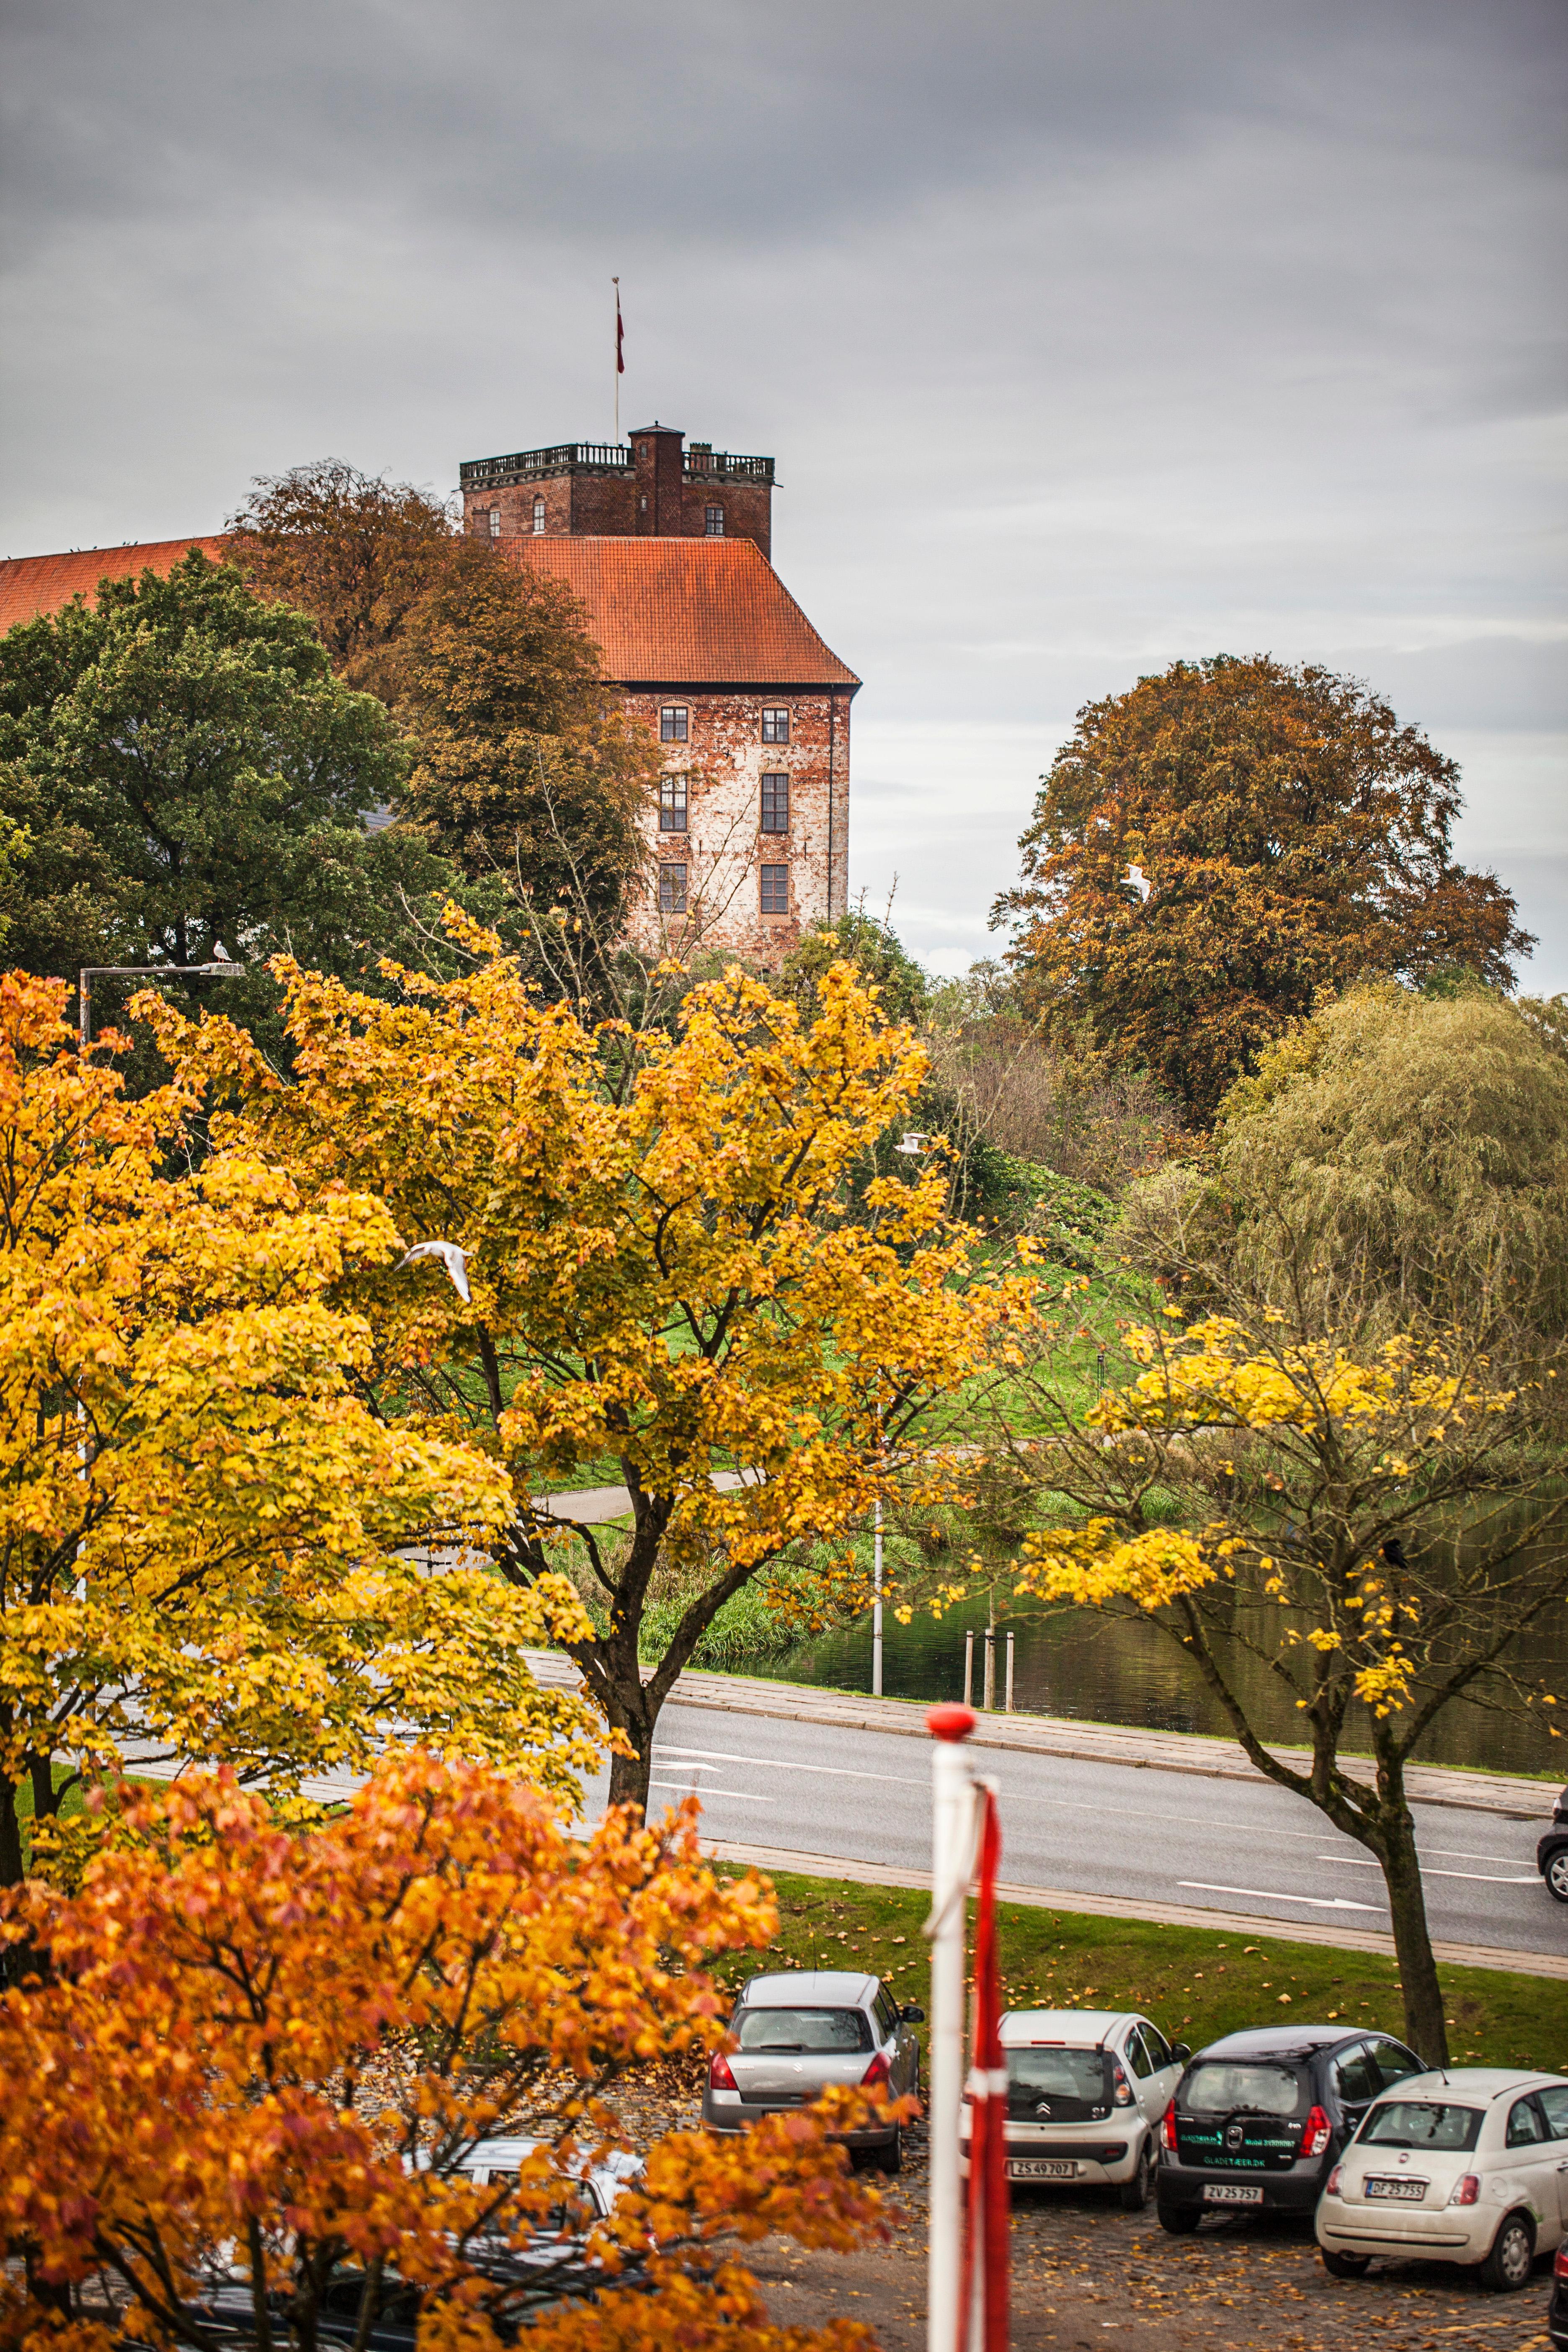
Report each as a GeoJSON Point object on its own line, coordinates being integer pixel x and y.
{"type": "Point", "coordinates": [798, 2033]}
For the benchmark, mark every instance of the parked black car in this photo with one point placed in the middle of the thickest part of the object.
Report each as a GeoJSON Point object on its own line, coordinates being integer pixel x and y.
{"type": "Point", "coordinates": [1258, 2118]}
{"type": "Point", "coordinates": [1557, 2311]}
{"type": "Point", "coordinates": [1551, 1853]}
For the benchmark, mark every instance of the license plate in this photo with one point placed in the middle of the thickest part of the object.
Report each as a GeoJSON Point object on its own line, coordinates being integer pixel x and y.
{"type": "Point", "coordinates": [1411, 2191]}
{"type": "Point", "coordinates": [1041, 2167]}
{"type": "Point", "coordinates": [1231, 2193]}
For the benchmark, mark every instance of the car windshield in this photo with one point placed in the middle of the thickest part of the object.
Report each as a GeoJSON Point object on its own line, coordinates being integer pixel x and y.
{"type": "Point", "coordinates": [1423, 2123]}
{"type": "Point", "coordinates": [1230, 2087]}
{"type": "Point", "coordinates": [1066, 2073]}
{"type": "Point", "coordinates": [825, 2030]}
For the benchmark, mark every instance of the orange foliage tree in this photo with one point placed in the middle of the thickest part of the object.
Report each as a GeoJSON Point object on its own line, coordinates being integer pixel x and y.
{"type": "Point", "coordinates": [202, 1521]}
{"type": "Point", "coordinates": [1294, 838]}
{"type": "Point", "coordinates": [265, 2057]}
{"type": "Point", "coordinates": [668, 1282]}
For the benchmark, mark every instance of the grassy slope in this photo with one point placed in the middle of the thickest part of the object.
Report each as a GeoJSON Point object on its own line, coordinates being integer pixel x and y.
{"type": "Point", "coordinates": [1194, 1982]}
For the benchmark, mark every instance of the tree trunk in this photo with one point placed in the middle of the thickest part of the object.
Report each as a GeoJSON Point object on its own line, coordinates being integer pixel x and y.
{"type": "Point", "coordinates": [629, 1775]}
{"type": "Point", "coordinates": [11, 1871]}
{"type": "Point", "coordinates": [1423, 2024]}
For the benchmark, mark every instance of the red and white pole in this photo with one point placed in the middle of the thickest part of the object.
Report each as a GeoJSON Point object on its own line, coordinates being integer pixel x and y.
{"type": "Point", "coordinates": [952, 1860]}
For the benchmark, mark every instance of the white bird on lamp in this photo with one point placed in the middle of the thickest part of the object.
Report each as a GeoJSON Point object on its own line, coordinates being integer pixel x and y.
{"type": "Point", "coordinates": [452, 1255]}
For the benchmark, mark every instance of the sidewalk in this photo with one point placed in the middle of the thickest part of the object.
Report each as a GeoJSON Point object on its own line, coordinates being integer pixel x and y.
{"type": "Point", "coordinates": [1054, 1735]}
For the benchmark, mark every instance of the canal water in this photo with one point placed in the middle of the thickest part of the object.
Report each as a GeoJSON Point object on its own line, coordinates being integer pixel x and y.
{"type": "Point", "coordinates": [1103, 1669]}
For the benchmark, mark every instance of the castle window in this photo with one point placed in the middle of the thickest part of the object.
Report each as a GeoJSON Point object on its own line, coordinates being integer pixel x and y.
{"type": "Point", "coordinates": [775, 726]}
{"type": "Point", "coordinates": [672, 889]}
{"type": "Point", "coordinates": [715, 523]}
{"type": "Point", "coordinates": [672, 723]}
{"type": "Point", "coordinates": [538, 515]}
{"type": "Point", "coordinates": [776, 889]}
{"type": "Point", "coordinates": [672, 804]}
{"type": "Point", "coordinates": [775, 804]}
{"type": "Point", "coordinates": [495, 522]}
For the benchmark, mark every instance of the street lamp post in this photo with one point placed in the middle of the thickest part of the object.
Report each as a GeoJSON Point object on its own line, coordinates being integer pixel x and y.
{"type": "Point", "coordinates": [91, 971]}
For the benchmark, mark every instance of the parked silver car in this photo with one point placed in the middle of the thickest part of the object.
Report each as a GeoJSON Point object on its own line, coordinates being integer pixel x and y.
{"type": "Point", "coordinates": [1464, 2165]}
{"type": "Point", "coordinates": [797, 2033]}
{"type": "Point", "coordinates": [1086, 2091]}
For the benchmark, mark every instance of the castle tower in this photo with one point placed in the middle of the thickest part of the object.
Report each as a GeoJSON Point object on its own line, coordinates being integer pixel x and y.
{"type": "Point", "coordinates": [653, 486]}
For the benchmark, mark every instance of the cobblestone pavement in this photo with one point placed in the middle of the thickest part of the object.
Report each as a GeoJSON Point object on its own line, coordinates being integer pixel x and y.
{"type": "Point", "coordinates": [1084, 2274]}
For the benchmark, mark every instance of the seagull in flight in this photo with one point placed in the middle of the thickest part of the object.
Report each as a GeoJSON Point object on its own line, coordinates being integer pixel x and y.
{"type": "Point", "coordinates": [452, 1255]}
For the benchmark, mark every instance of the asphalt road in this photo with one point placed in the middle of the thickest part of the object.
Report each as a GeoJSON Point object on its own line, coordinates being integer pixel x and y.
{"type": "Point", "coordinates": [1099, 1829]}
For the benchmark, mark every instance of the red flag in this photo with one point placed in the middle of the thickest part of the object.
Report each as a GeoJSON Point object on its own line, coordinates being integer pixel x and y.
{"type": "Point", "coordinates": [986, 2236]}
{"type": "Point", "coordinates": [620, 334]}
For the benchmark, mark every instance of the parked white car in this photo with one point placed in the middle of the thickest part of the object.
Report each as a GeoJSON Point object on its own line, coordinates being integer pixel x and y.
{"type": "Point", "coordinates": [1085, 2091]}
{"type": "Point", "coordinates": [1469, 2165]}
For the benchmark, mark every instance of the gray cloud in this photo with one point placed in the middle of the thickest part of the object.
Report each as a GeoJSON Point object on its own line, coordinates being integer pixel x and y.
{"type": "Point", "coordinates": [1085, 335]}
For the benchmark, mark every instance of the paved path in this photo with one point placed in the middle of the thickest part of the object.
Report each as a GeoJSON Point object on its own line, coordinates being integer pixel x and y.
{"type": "Point", "coordinates": [1113, 1823]}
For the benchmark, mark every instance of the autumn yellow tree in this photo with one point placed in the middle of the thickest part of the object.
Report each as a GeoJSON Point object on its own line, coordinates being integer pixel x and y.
{"type": "Point", "coordinates": [1379, 1521]}
{"type": "Point", "coordinates": [664, 1283]}
{"type": "Point", "coordinates": [267, 2057]}
{"type": "Point", "coordinates": [201, 1518]}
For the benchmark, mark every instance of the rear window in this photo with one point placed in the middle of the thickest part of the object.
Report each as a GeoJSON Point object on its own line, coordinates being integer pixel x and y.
{"type": "Point", "coordinates": [829, 2030]}
{"type": "Point", "coordinates": [1423, 2123]}
{"type": "Point", "coordinates": [1242, 2086]}
{"type": "Point", "coordinates": [1069, 2073]}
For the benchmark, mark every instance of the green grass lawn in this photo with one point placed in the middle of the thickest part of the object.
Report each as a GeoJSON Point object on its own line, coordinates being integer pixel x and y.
{"type": "Point", "coordinates": [1196, 1983]}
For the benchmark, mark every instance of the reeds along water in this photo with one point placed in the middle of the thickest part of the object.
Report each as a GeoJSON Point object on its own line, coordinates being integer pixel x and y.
{"type": "Point", "coordinates": [1126, 1670]}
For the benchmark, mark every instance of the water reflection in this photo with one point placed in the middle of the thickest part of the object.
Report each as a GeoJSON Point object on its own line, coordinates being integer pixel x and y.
{"type": "Point", "coordinates": [1125, 1670]}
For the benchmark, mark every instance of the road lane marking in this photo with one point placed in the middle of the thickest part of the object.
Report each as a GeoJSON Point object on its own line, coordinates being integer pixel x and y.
{"type": "Point", "coordinates": [786, 1764]}
{"type": "Point", "coordinates": [1479, 1877]}
{"type": "Point", "coordinates": [1060, 1805]}
{"type": "Point", "coordinates": [1272, 1894]}
{"type": "Point", "coordinates": [682, 1788]}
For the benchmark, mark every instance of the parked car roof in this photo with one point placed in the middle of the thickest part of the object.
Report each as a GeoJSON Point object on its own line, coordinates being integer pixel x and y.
{"type": "Point", "coordinates": [1470, 2082]}
{"type": "Point", "coordinates": [1021, 2026]}
{"type": "Point", "coordinates": [841, 1988]}
{"type": "Point", "coordinates": [1284, 2041]}
{"type": "Point", "coordinates": [619, 2167]}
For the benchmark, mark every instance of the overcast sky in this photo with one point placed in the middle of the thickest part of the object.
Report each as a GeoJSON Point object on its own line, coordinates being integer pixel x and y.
{"type": "Point", "coordinates": [1085, 335]}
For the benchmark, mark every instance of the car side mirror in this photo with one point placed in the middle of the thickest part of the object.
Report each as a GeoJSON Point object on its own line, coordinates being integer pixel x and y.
{"type": "Point", "coordinates": [1181, 2052]}
{"type": "Point", "coordinates": [910, 2015]}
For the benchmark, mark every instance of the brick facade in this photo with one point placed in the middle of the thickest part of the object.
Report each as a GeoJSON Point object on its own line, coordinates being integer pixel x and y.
{"type": "Point", "coordinates": [725, 853]}
{"type": "Point", "coordinates": [655, 487]}
{"type": "Point", "coordinates": [716, 657]}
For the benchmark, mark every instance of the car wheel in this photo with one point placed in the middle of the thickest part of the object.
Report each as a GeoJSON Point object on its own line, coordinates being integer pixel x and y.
{"type": "Point", "coordinates": [1177, 2218]}
{"type": "Point", "coordinates": [1556, 1874]}
{"type": "Point", "coordinates": [1344, 2265]}
{"type": "Point", "coordinates": [1135, 2192]}
{"type": "Point", "coordinates": [1512, 2258]}
{"type": "Point", "coordinates": [892, 2157]}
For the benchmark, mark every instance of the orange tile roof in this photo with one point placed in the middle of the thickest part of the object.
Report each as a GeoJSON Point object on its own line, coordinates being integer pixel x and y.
{"type": "Point", "coordinates": [31, 585]}
{"type": "Point", "coordinates": [688, 612]}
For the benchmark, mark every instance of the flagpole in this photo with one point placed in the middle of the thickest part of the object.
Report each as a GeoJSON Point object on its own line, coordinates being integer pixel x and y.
{"type": "Point", "coordinates": [617, 284]}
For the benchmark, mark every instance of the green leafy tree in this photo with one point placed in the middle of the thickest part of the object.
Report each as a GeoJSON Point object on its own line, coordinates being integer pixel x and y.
{"type": "Point", "coordinates": [1421, 1142]}
{"type": "Point", "coordinates": [1292, 836]}
{"type": "Point", "coordinates": [193, 783]}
